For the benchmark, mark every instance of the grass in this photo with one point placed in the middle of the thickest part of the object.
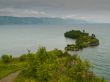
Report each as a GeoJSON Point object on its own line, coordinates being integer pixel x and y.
{"type": "Point", "coordinates": [21, 78]}
{"type": "Point", "coordinates": [56, 66]}
{"type": "Point", "coordinates": [7, 68]}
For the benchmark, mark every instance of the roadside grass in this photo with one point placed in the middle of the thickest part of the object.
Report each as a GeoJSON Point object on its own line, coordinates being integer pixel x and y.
{"type": "Point", "coordinates": [7, 68]}
{"type": "Point", "coordinates": [21, 78]}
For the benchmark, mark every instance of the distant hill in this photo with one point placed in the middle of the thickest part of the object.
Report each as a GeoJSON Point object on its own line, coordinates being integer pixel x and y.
{"type": "Point", "coordinates": [5, 20]}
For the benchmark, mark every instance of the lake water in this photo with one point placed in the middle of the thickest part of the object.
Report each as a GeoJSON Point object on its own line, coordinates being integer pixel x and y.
{"type": "Point", "coordinates": [16, 39]}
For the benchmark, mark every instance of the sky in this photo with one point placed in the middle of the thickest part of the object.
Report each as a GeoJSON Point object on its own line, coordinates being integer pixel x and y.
{"type": "Point", "coordinates": [94, 10]}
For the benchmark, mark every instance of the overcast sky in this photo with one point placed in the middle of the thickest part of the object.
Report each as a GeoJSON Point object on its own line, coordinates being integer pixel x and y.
{"type": "Point", "coordinates": [96, 10]}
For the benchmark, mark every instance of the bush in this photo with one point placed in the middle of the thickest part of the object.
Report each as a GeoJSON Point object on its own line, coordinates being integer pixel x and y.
{"type": "Point", "coordinates": [23, 57]}
{"type": "Point", "coordinates": [57, 66]}
{"type": "Point", "coordinates": [6, 58]}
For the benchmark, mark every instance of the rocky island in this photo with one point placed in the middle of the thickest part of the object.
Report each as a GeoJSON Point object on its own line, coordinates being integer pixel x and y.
{"type": "Point", "coordinates": [82, 38]}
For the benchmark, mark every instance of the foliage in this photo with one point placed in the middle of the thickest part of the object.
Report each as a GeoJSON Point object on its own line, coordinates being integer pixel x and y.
{"type": "Point", "coordinates": [9, 64]}
{"type": "Point", "coordinates": [23, 57]}
{"type": "Point", "coordinates": [56, 66]}
{"type": "Point", "coordinates": [6, 58]}
{"type": "Point", "coordinates": [7, 68]}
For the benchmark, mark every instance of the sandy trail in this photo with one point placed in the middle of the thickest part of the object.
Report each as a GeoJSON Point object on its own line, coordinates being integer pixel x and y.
{"type": "Point", "coordinates": [10, 77]}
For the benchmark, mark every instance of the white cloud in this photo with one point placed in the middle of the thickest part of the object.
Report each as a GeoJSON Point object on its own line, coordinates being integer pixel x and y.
{"type": "Point", "coordinates": [77, 17]}
{"type": "Point", "coordinates": [21, 12]}
{"type": "Point", "coordinates": [94, 18]}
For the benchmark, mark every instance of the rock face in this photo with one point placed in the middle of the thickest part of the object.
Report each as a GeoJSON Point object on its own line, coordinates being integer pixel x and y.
{"type": "Point", "coordinates": [83, 40]}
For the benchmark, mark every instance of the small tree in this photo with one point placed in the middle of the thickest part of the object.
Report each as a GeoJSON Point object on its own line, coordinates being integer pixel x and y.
{"type": "Point", "coordinates": [23, 57]}
{"type": "Point", "coordinates": [6, 58]}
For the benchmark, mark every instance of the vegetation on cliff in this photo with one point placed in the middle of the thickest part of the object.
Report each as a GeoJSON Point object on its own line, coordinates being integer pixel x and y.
{"type": "Point", "coordinates": [56, 66]}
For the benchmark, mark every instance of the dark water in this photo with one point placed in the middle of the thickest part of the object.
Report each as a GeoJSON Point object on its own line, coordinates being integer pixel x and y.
{"type": "Point", "coordinates": [16, 39]}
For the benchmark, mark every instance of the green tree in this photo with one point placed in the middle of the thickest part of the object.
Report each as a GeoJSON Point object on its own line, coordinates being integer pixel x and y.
{"type": "Point", "coordinates": [6, 58]}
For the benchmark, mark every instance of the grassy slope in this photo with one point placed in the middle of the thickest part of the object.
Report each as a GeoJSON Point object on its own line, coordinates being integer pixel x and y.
{"type": "Point", "coordinates": [7, 68]}
{"type": "Point", "coordinates": [56, 66]}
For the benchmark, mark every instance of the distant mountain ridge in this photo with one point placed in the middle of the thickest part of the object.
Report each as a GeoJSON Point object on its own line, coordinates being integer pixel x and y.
{"type": "Point", "coordinates": [5, 20]}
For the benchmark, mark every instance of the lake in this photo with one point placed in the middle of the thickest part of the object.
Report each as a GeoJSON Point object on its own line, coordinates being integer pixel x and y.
{"type": "Point", "coordinates": [16, 39]}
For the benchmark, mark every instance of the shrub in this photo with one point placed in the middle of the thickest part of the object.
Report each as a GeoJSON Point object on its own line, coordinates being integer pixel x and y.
{"type": "Point", "coordinates": [23, 57]}
{"type": "Point", "coordinates": [6, 58]}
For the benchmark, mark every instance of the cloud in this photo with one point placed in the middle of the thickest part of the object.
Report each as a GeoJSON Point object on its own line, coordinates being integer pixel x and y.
{"type": "Point", "coordinates": [58, 4]}
{"type": "Point", "coordinates": [21, 12]}
{"type": "Point", "coordinates": [78, 17]}
{"type": "Point", "coordinates": [92, 18]}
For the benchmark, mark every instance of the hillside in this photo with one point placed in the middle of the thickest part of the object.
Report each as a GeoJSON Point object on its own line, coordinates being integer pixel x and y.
{"type": "Point", "coordinates": [6, 20]}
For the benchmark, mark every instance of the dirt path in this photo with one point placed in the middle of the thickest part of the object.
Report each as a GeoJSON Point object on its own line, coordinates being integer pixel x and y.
{"type": "Point", "coordinates": [10, 77]}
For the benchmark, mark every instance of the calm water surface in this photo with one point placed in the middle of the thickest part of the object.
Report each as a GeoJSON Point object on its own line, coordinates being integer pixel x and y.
{"type": "Point", "coordinates": [16, 39]}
